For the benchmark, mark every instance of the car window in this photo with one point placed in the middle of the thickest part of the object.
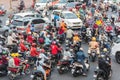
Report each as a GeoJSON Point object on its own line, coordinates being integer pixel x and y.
{"type": "Point", "coordinates": [17, 23]}
{"type": "Point", "coordinates": [38, 21]}
{"type": "Point", "coordinates": [29, 16]}
{"type": "Point", "coordinates": [63, 1]}
{"type": "Point", "coordinates": [56, 13]}
{"type": "Point", "coordinates": [69, 16]}
{"type": "Point", "coordinates": [16, 16]}
{"type": "Point", "coordinates": [25, 23]}
{"type": "Point", "coordinates": [37, 15]}
{"type": "Point", "coordinates": [70, 5]}
{"type": "Point", "coordinates": [117, 40]}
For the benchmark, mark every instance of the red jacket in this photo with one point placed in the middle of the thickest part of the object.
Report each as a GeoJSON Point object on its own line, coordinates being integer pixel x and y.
{"type": "Point", "coordinates": [61, 31]}
{"type": "Point", "coordinates": [30, 39]}
{"type": "Point", "coordinates": [33, 52]}
{"type": "Point", "coordinates": [54, 49]}
{"type": "Point", "coordinates": [23, 47]}
{"type": "Point", "coordinates": [17, 61]}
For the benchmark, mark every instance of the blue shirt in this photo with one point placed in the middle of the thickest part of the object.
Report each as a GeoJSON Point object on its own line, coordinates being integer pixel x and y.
{"type": "Point", "coordinates": [80, 56]}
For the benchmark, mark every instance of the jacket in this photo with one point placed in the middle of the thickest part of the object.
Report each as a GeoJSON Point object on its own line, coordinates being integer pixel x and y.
{"type": "Point", "coordinates": [23, 47]}
{"type": "Point", "coordinates": [80, 56]}
{"type": "Point", "coordinates": [33, 52]}
{"type": "Point", "coordinates": [47, 41]}
{"type": "Point", "coordinates": [54, 49]}
{"type": "Point", "coordinates": [30, 39]}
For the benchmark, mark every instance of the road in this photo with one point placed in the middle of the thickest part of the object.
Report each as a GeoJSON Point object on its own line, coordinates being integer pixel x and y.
{"type": "Point", "coordinates": [55, 75]}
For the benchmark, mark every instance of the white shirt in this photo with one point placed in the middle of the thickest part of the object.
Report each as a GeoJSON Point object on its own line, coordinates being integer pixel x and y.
{"type": "Point", "coordinates": [9, 40]}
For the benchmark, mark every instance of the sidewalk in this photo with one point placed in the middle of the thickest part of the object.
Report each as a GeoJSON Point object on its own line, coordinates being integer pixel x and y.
{"type": "Point", "coordinates": [14, 4]}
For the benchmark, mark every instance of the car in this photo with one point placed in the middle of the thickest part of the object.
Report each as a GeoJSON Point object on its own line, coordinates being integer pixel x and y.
{"type": "Point", "coordinates": [22, 15]}
{"type": "Point", "coordinates": [22, 23]}
{"type": "Point", "coordinates": [116, 49]}
{"type": "Point", "coordinates": [117, 28]}
{"type": "Point", "coordinates": [61, 4]}
{"type": "Point", "coordinates": [41, 4]}
{"type": "Point", "coordinates": [68, 17]}
{"type": "Point", "coordinates": [72, 5]}
{"type": "Point", "coordinates": [4, 30]}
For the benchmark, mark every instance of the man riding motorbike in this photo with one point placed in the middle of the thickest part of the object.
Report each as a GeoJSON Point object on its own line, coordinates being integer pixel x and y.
{"type": "Point", "coordinates": [33, 52]}
{"type": "Point", "coordinates": [104, 65]}
{"type": "Point", "coordinates": [80, 56]}
{"type": "Point", "coordinates": [67, 55]}
{"type": "Point", "coordinates": [76, 39]}
{"type": "Point", "coordinates": [39, 65]}
{"type": "Point", "coordinates": [93, 45]}
{"type": "Point", "coordinates": [23, 48]}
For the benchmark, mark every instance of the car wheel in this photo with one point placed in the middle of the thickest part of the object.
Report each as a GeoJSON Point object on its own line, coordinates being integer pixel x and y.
{"type": "Point", "coordinates": [117, 56]}
{"type": "Point", "coordinates": [6, 33]}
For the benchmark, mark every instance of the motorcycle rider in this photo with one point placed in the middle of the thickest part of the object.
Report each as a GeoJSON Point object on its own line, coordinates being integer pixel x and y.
{"type": "Point", "coordinates": [39, 65]}
{"type": "Point", "coordinates": [67, 55]}
{"type": "Point", "coordinates": [76, 39]}
{"type": "Point", "coordinates": [80, 56]}
{"type": "Point", "coordinates": [23, 48]}
{"type": "Point", "coordinates": [69, 33]}
{"type": "Point", "coordinates": [33, 52]}
{"type": "Point", "coordinates": [54, 49]}
{"type": "Point", "coordinates": [10, 39]}
{"type": "Point", "coordinates": [104, 65]}
{"type": "Point", "coordinates": [93, 45]}
{"type": "Point", "coordinates": [42, 55]}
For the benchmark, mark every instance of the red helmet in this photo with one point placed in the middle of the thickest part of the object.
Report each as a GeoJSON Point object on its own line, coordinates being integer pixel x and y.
{"type": "Point", "coordinates": [33, 44]}
{"type": "Point", "coordinates": [42, 51]}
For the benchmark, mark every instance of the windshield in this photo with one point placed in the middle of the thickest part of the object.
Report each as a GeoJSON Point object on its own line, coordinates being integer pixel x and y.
{"type": "Point", "coordinates": [70, 5]}
{"type": "Point", "coordinates": [19, 23]}
{"type": "Point", "coordinates": [16, 16]}
{"type": "Point", "coordinates": [70, 16]}
{"type": "Point", "coordinates": [63, 1]}
{"type": "Point", "coordinates": [117, 40]}
{"type": "Point", "coordinates": [43, 1]}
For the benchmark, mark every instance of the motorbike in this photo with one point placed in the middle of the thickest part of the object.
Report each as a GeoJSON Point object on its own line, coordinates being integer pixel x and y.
{"type": "Point", "coordinates": [101, 75]}
{"type": "Point", "coordinates": [2, 40]}
{"type": "Point", "coordinates": [77, 68]}
{"type": "Point", "coordinates": [3, 69]}
{"type": "Point", "coordinates": [93, 55]}
{"type": "Point", "coordinates": [38, 75]}
{"type": "Point", "coordinates": [14, 72]}
{"type": "Point", "coordinates": [63, 66]}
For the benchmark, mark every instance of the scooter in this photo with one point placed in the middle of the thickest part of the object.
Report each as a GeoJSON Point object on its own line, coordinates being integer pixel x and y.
{"type": "Point", "coordinates": [14, 72]}
{"type": "Point", "coordinates": [77, 68]}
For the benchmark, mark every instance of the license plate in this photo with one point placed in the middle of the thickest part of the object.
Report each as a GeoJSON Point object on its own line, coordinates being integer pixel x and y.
{"type": "Point", "coordinates": [32, 76]}
{"type": "Point", "coordinates": [58, 67]}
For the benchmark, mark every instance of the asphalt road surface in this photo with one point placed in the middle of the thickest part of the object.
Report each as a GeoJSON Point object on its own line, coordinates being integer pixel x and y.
{"type": "Point", "coordinates": [56, 76]}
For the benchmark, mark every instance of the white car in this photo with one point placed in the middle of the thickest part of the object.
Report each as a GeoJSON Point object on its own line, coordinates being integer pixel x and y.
{"type": "Point", "coordinates": [116, 49]}
{"type": "Point", "coordinates": [41, 4]}
{"type": "Point", "coordinates": [61, 4]}
{"type": "Point", "coordinates": [22, 15]}
{"type": "Point", "coordinates": [68, 17]}
{"type": "Point", "coordinates": [22, 23]}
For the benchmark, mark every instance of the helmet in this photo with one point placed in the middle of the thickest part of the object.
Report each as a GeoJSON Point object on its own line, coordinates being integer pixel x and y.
{"type": "Point", "coordinates": [93, 39]}
{"type": "Point", "coordinates": [42, 51]}
{"type": "Point", "coordinates": [29, 33]}
{"type": "Point", "coordinates": [33, 44]}
{"type": "Point", "coordinates": [105, 49]}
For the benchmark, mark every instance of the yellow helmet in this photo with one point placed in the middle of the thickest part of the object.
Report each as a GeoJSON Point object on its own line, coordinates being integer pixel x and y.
{"type": "Point", "coordinates": [12, 55]}
{"type": "Point", "coordinates": [93, 39]}
{"type": "Point", "coordinates": [105, 49]}
{"type": "Point", "coordinates": [17, 54]}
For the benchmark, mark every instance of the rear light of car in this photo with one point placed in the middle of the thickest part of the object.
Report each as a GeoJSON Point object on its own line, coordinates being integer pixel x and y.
{"type": "Point", "coordinates": [20, 28]}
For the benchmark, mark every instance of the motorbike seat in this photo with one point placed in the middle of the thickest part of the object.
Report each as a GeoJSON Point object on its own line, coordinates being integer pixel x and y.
{"type": "Point", "coordinates": [13, 69]}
